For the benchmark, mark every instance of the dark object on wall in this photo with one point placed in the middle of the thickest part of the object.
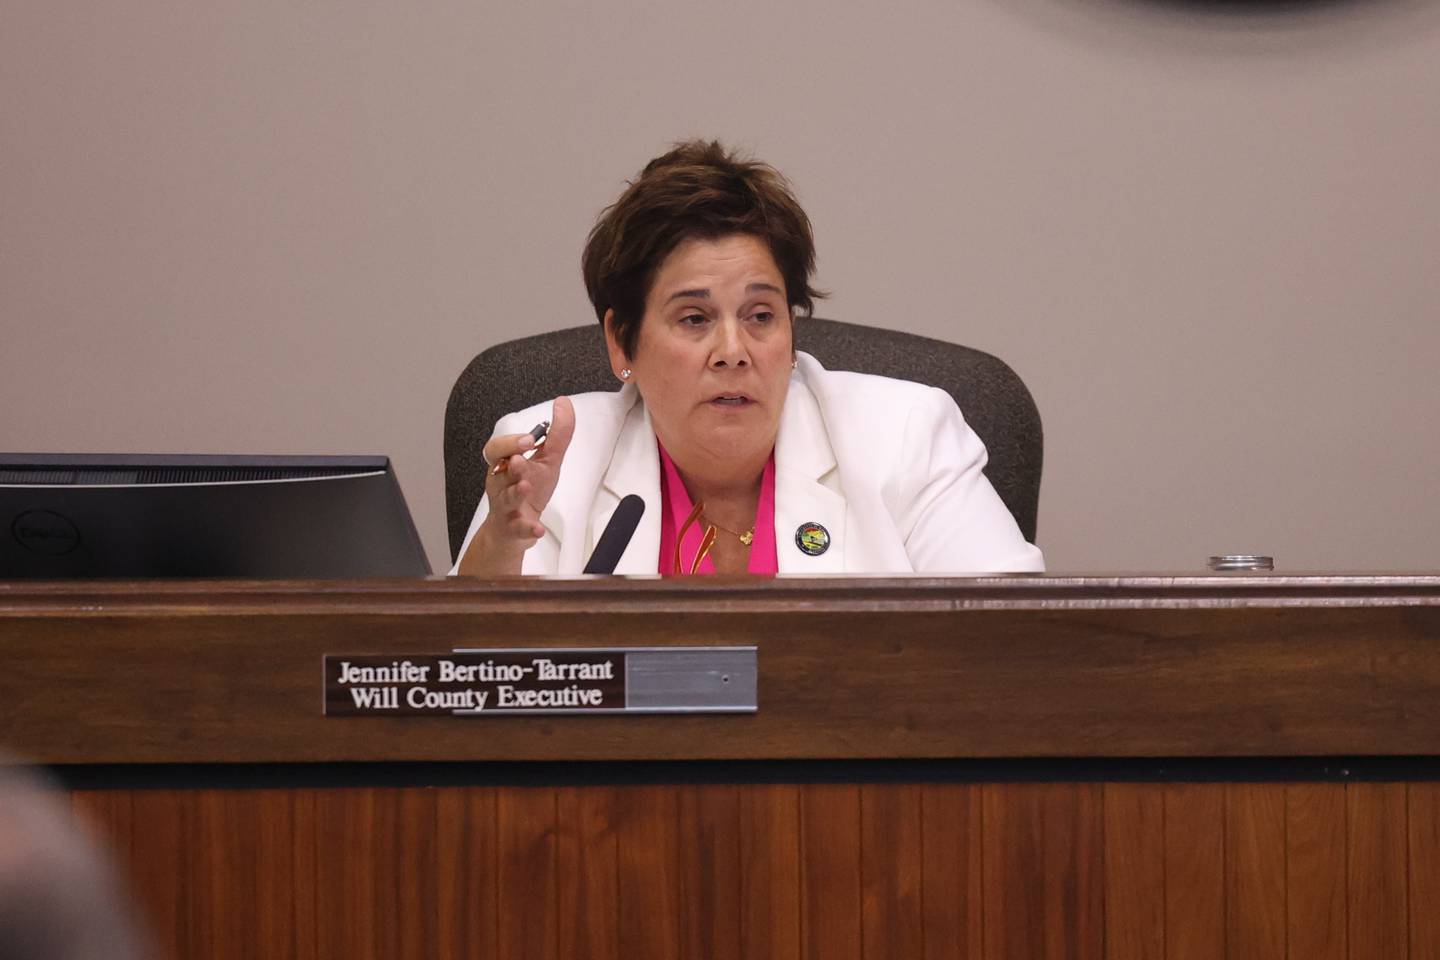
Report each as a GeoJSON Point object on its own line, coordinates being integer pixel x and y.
{"type": "Point", "coordinates": [513, 375]}
{"type": "Point", "coordinates": [85, 515]}
{"type": "Point", "coordinates": [1279, 7]}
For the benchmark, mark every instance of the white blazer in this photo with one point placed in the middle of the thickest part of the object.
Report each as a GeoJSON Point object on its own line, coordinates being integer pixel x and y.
{"type": "Point", "coordinates": [888, 467]}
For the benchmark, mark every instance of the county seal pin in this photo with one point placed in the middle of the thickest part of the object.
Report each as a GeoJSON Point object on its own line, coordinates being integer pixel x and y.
{"type": "Point", "coordinates": [812, 539]}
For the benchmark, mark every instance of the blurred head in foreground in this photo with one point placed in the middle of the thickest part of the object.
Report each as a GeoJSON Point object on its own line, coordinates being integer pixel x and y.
{"type": "Point", "coordinates": [58, 899]}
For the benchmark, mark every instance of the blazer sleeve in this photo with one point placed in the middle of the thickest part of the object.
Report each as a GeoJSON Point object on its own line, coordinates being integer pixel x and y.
{"type": "Point", "coordinates": [543, 557]}
{"type": "Point", "coordinates": [949, 515]}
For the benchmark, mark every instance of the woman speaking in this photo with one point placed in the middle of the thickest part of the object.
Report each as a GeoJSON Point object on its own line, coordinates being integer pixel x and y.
{"type": "Point", "coordinates": [749, 457]}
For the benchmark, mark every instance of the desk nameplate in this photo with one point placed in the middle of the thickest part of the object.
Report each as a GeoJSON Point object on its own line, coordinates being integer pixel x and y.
{"type": "Point", "coordinates": [493, 682]}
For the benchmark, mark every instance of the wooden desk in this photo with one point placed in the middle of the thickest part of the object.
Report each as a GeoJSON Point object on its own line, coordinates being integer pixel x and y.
{"type": "Point", "coordinates": [1019, 767]}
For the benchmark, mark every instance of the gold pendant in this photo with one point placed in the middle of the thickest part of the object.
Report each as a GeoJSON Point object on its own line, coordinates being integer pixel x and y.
{"type": "Point", "coordinates": [747, 536]}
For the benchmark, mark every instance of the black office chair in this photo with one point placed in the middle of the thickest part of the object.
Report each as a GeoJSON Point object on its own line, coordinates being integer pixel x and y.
{"type": "Point", "coordinates": [516, 374]}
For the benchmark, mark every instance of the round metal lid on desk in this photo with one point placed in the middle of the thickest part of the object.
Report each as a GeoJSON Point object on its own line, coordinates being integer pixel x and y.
{"type": "Point", "coordinates": [1241, 561]}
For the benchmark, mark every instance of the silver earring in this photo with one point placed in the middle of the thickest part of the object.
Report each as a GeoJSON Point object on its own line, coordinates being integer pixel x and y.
{"type": "Point", "coordinates": [794, 364]}
{"type": "Point", "coordinates": [625, 374]}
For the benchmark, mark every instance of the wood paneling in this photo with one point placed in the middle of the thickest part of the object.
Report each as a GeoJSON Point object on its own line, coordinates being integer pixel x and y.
{"type": "Point", "coordinates": [350, 883]}
{"type": "Point", "coordinates": [1134, 871]}
{"type": "Point", "coordinates": [467, 868]}
{"type": "Point", "coordinates": [1424, 853]}
{"type": "Point", "coordinates": [1075, 875]}
{"type": "Point", "coordinates": [1315, 864]}
{"type": "Point", "coordinates": [1316, 871]}
{"type": "Point", "coordinates": [1194, 871]}
{"type": "Point", "coordinates": [167, 865]}
{"type": "Point", "coordinates": [831, 881]}
{"type": "Point", "coordinates": [412, 856]}
{"type": "Point", "coordinates": [953, 878]}
{"type": "Point", "coordinates": [650, 873]}
{"type": "Point", "coordinates": [710, 874]}
{"type": "Point", "coordinates": [1255, 871]}
{"type": "Point", "coordinates": [770, 866]}
{"type": "Point", "coordinates": [1044, 874]}
{"type": "Point", "coordinates": [528, 917]}
{"type": "Point", "coordinates": [1379, 867]}
{"type": "Point", "coordinates": [1013, 858]}
{"type": "Point", "coordinates": [891, 867]}
{"type": "Point", "coordinates": [588, 872]}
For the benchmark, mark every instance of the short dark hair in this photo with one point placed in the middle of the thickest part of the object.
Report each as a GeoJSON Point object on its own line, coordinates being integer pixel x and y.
{"type": "Point", "coordinates": [701, 190]}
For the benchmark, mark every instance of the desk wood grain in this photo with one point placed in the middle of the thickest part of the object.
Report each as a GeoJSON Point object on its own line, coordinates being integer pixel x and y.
{"type": "Point", "coordinates": [986, 667]}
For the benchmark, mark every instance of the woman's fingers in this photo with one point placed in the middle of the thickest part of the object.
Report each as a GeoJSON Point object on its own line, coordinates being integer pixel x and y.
{"type": "Point", "coordinates": [499, 483]}
{"type": "Point", "coordinates": [521, 528]}
{"type": "Point", "coordinates": [513, 500]}
{"type": "Point", "coordinates": [520, 487]}
{"type": "Point", "coordinates": [501, 452]}
{"type": "Point", "coordinates": [520, 491]}
{"type": "Point", "coordinates": [506, 448]}
{"type": "Point", "coordinates": [523, 520]}
{"type": "Point", "coordinates": [562, 428]}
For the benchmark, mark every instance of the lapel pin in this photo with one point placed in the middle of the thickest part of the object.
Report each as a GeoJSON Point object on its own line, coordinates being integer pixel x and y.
{"type": "Point", "coordinates": [812, 539]}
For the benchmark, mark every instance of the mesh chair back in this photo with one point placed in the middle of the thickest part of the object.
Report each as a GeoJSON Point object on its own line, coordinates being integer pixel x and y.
{"type": "Point", "coordinates": [518, 373]}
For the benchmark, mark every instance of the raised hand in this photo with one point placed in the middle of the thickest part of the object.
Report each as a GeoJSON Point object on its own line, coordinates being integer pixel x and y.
{"type": "Point", "coordinates": [518, 494]}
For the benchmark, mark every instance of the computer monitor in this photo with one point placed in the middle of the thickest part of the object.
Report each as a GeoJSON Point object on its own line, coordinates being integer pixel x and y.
{"type": "Point", "coordinates": [65, 516]}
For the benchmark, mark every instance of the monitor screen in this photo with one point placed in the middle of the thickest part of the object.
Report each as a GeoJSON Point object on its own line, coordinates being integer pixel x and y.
{"type": "Point", "coordinates": [64, 516]}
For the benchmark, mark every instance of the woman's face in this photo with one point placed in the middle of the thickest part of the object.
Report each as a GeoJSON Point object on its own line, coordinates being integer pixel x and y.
{"type": "Point", "coordinates": [714, 353]}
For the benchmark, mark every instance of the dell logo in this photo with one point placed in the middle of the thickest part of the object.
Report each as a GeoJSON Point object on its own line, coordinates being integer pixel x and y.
{"type": "Point", "coordinates": [45, 532]}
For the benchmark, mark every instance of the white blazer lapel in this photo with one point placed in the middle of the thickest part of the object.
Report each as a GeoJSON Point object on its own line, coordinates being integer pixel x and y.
{"type": "Point", "coordinates": [600, 419]}
{"type": "Point", "coordinates": [634, 468]}
{"type": "Point", "coordinates": [804, 462]}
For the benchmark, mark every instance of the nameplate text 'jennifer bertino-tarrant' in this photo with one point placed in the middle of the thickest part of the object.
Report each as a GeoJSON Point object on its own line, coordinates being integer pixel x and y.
{"type": "Point", "coordinates": [490, 682]}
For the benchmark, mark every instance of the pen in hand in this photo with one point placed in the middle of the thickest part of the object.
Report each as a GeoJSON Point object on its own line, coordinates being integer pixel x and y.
{"type": "Point", "coordinates": [537, 435]}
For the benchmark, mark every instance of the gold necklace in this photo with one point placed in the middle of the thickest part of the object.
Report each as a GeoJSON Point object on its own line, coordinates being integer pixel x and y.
{"type": "Point", "coordinates": [745, 538]}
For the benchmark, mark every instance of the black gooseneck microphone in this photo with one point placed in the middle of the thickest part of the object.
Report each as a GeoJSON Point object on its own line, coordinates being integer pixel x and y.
{"type": "Point", "coordinates": [617, 535]}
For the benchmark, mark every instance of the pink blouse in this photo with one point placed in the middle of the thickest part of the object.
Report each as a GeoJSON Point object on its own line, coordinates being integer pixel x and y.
{"type": "Point", "coordinates": [675, 506]}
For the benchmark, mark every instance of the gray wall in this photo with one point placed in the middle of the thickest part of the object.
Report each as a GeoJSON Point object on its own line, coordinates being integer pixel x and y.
{"type": "Point", "coordinates": [1209, 241]}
